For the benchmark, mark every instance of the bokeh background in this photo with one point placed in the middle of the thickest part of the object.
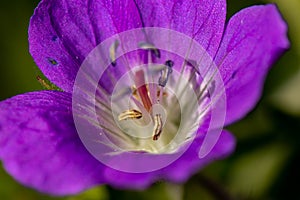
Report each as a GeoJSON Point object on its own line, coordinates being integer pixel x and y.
{"type": "Point", "coordinates": [266, 163]}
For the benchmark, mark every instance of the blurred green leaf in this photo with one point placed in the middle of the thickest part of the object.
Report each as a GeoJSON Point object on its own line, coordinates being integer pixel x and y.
{"type": "Point", "coordinates": [159, 191]}
{"type": "Point", "coordinates": [253, 174]}
{"type": "Point", "coordinates": [97, 193]}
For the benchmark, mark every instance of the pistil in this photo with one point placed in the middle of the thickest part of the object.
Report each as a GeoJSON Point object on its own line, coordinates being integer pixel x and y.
{"type": "Point", "coordinates": [142, 89]}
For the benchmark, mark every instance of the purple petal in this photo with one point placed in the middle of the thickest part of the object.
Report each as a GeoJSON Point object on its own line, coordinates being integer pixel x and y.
{"type": "Point", "coordinates": [39, 145]}
{"type": "Point", "coordinates": [202, 20]}
{"type": "Point", "coordinates": [190, 163]}
{"type": "Point", "coordinates": [254, 38]}
{"type": "Point", "coordinates": [178, 171]}
{"type": "Point", "coordinates": [62, 33]}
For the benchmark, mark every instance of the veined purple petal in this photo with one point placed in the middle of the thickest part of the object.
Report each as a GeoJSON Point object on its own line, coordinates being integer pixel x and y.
{"type": "Point", "coordinates": [39, 145]}
{"type": "Point", "coordinates": [201, 20]}
{"type": "Point", "coordinates": [63, 32]}
{"type": "Point", "coordinates": [254, 38]}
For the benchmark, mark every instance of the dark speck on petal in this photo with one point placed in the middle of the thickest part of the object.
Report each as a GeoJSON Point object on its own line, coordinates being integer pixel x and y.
{"type": "Point", "coordinates": [233, 74]}
{"type": "Point", "coordinates": [54, 38]}
{"type": "Point", "coordinates": [52, 61]}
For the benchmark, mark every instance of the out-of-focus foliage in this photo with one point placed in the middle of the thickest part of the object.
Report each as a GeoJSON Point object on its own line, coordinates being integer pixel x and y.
{"type": "Point", "coordinates": [267, 159]}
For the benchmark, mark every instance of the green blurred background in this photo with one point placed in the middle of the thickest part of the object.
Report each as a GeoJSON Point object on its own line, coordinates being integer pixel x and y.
{"type": "Point", "coordinates": [266, 163]}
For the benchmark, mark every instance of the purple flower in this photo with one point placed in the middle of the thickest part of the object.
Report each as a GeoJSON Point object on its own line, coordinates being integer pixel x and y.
{"type": "Point", "coordinates": [39, 143]}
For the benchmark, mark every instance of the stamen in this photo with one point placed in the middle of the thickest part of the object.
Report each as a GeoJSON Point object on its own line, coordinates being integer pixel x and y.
{"type": "Point", "coordinates": [130, 114]}
{"type": "Point", "coordinates": [151, 47]}
{"type": "Point", "coordinates": [112, 52]}
{"type": "Point", "coordinates": [157, 126]}
{"type": "Point", "coordinates": [165, 73]}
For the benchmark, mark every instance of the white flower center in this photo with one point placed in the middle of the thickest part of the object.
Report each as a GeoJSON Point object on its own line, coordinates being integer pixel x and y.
{"type": "Point", "coordinates": [136, 99]}
{"type": "Point", "coordinates": [154, 109]}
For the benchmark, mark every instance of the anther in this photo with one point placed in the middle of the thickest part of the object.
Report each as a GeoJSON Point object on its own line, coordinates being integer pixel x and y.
{"type": "Point", "coordinates": [157, 127]}
{"type": "Point", "coordinates": [112, 52]}
{"type": "Point", "coordinates": [169, 63]}
{"type": "Point", "coordinates": [165, 73]}
{"type": "Point", "coordinates": [151, 47]}
{"type": "Point", "coordinates": [130, 114]}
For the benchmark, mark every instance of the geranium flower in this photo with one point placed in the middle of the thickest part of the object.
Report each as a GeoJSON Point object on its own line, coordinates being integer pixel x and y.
{"type": "Point", "coordinates": [39, 143]}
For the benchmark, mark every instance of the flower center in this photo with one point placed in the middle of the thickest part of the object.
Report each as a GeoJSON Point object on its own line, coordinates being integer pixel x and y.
{"type": "Point", "coordinates": [154, 107]}
{"type": "Point", "coordinates": [136, 99]}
